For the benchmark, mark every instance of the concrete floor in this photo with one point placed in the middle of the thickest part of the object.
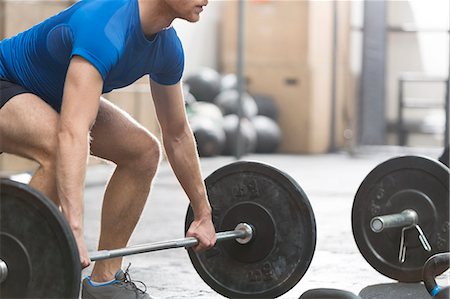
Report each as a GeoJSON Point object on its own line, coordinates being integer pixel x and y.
{"type": "Point", "coordinates": [330, 181]}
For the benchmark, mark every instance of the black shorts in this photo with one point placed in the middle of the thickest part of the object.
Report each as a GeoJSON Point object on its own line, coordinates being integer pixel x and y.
{"type": "Point", "coordinates": [9, 90]}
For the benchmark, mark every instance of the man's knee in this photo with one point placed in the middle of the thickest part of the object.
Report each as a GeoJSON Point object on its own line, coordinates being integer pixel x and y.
{"type": "Point", "coordinates": [46, 154]}
{"type": "Point", "coordinates": [145, 155]}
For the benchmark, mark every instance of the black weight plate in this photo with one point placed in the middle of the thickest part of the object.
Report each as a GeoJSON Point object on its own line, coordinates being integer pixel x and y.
{"type": "Point", "coordinates": [16, 258]}
{"type": "Point", "coordinates": [410, 182]}
{"type": "Point", "coordinates": [281, 251]}
{"type": "Point", "coordinates": [40, 230]}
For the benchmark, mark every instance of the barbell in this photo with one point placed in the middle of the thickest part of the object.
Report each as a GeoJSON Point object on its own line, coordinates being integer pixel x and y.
{"type": "Point", "coordinates": [399, 219]}
{"type": "Point", "coordinates": [400, 215]}
{"type": "Point", "coordinates": [402, 204]}
{"type": "Point", "coordinates": [260, 207]}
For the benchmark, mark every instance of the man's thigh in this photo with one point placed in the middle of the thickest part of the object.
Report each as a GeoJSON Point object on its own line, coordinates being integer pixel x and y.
{"type": "Point", "coordinates": [116, 136]}
{"type": "Point", "coordinates": [28, 127]}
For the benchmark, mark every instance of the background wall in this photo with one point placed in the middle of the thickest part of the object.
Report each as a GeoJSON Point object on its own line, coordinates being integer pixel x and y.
{"type": "Point", "coordinates": [422, 49]}
{"type": "Point", "coordinates": [425, 52]}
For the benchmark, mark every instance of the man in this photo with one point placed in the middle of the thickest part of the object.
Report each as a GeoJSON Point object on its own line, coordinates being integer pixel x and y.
{"type": "Point", "coordinates": [51, 111]}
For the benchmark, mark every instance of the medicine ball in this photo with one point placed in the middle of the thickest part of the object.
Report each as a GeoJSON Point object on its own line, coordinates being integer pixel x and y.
{"type": "Point", "coordinates": [229, 81]}
{"type": "Point", "coordinates": [210, 136]}
{"type": "Point", "coordinates": [268, 134]}
{"type": "Point", "coordinates": [204, 84]}
{"type": "Point", "coordinates": [266, 105]}
{"type": "Point", "coordinates": [206, 110]}
{"type": "Point", "coordinates": [228, 102]}
{"type": "Point", "coordinates": [230, 124]}
{"type": "Point", "coordinates": [189, 98]}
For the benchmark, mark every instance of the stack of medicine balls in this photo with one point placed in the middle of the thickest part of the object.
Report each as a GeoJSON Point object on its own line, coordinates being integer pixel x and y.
{"type": "Point", "coordinates": [212, 106]}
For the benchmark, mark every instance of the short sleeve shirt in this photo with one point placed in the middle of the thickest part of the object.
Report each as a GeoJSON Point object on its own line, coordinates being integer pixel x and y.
{"type": "Point", "coordinates": [106, 33]}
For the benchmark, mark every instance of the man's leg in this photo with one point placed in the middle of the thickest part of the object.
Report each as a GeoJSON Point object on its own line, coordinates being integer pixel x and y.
{"type": "Point", "coordinates": [118, 138]}
{"type": "Point", "coordinates": [28, 129]}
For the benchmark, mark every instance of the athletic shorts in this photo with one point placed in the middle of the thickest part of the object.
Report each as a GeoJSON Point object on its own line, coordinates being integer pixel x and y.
{"type": "Point", "coordinates": [9, 90]}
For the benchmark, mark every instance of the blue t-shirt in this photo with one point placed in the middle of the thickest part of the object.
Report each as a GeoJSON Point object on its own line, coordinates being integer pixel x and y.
{"type": "Point", "coordinates": [106, 33]}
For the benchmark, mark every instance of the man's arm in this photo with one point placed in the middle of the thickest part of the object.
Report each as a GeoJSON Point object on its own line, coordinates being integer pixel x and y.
{"type": "Point", "coordinates": [181, 151]}
{"type": "Point", "coordinates": [82, 91]}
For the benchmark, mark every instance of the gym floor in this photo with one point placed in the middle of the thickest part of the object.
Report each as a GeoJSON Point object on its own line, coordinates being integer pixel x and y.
{"type": "Point", "coordinates": [330, 181]}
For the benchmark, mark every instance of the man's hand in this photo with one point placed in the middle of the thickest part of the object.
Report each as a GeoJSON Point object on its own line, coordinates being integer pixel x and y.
{"type": "Point", "coordinates": [203, 230]}
{"type": "Point", "coordinates": [82, 250]}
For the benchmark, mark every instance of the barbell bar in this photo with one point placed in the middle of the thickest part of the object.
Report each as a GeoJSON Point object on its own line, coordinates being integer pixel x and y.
{"type": "Point", "coordinates": [406, 218]}
{"type": "Point", "coordinates": [3, 271]}
{"type": "Point", "coordinates": [242, 234]}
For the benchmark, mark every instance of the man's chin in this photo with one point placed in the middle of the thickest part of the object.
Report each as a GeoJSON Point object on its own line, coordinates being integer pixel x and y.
{"type": "Point", "coordinates": [193, 18]}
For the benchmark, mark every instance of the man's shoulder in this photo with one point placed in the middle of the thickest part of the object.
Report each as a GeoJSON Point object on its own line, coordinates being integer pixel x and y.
{"type": "Point", "coordinates": [171, 39]}
{"type": "Point", "coordinates": [100, 30]}
{"type": "Point", "coordinates": [103, 22]}
{"type": "Point", "coordinates": [87, 11]}
{"type": "Point", "coordinates": [171, 60]}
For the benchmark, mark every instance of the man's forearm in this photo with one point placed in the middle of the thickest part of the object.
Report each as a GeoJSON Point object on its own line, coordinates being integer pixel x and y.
{"type": "Point", "coordinates": [182, 154]}
{"type": "Point", "coordinates": [70, 172]}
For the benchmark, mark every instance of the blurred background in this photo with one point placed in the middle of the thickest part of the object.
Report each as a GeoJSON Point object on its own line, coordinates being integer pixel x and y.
{"type": "Point", "coordinates": [314, 76]}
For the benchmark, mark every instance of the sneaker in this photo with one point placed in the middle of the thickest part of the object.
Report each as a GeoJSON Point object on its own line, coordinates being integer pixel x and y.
{"type": "Point", "coordinates": [120, 288]}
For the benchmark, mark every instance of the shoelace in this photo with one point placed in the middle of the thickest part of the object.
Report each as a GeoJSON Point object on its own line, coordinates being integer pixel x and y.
{"type": "Point", "coordinates": [132, 283]}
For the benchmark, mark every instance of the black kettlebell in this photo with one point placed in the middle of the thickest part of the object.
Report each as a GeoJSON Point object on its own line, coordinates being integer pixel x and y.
{"type": "Point", "coordinates": [434, 266]}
